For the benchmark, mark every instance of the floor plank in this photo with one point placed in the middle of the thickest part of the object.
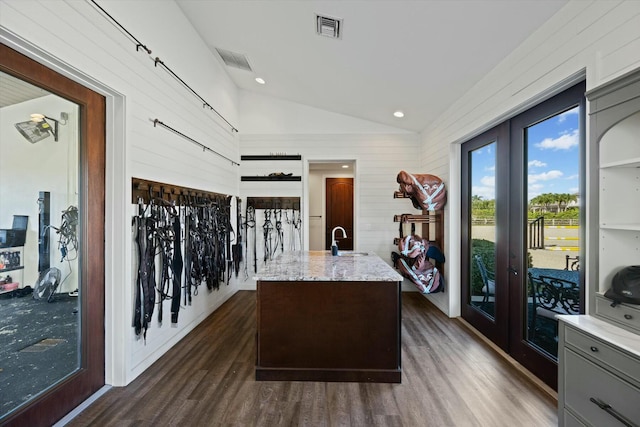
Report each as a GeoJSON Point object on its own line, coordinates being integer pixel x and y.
{"type": "Point", "coordinates": [450, 378]}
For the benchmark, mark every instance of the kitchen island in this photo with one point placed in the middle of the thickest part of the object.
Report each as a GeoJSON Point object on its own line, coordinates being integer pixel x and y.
{"type": "Point", "coordinates": [328, 318]}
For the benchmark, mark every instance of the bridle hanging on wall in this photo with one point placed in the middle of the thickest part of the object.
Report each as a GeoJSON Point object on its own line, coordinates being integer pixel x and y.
{"type": "Point", "coordinates": [206, 245]}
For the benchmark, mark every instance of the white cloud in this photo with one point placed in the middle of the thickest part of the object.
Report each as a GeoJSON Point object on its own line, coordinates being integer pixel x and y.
{"type": "Point", "coordinates": [562, 117]}
{"type": "Point", "coordinates": [563, 142]}
{"type": "Point", "coordinates": [488, 181]}
{"type": "Point", "coordinates": [576, 176]}
{"type": "Point", "coordinates": [544, 176]}
{"type": "Point", "coordinates": [537, 164]}
{"type": "Point", "coordinates": [487, 193]}
{"type": "Point", "coordinates": [483, 150]}
{"type": "Point", "coordinates": [534, 190]}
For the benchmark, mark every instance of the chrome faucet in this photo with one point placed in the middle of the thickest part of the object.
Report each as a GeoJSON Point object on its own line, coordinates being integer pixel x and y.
{"type": "Point", "coordinates": [334, 244]}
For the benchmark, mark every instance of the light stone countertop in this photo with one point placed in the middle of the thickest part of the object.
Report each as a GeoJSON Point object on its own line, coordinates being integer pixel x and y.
{"type": "Point", "coordinates": [322, 266]}
{"type": "Point", "coordinates": [605, 331]}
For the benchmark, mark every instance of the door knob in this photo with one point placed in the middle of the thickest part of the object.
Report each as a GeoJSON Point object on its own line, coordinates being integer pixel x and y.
{"type": "Point", "coordinates": [512, 270]}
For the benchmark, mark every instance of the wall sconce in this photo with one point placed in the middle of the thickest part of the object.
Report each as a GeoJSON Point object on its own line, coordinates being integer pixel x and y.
{"type": "Point", "coordinates": [39, 128]}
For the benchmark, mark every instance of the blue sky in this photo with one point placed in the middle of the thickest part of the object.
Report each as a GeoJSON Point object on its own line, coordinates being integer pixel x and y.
{"type": "Point", "coordinates": [553, 159]}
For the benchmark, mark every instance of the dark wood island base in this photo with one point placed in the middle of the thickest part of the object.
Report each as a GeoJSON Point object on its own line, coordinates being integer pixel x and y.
{"type": "Point", "coordinates": [328, 331]}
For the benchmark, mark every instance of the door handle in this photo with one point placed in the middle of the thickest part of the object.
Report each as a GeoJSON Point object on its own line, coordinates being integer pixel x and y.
{"type": "Point", "coordinates": [512, 270]}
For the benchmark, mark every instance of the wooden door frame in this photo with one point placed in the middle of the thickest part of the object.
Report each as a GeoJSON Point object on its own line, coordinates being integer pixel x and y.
{"type": "Point", "coordinates": [305, 199]}
{"type": "Point", "coordinates": [55, 402]}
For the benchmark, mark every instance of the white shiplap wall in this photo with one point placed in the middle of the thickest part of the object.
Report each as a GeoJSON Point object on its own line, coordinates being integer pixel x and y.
{"type": "Point", "coordinates": [378, 157]}
{"type": "Point", "coordinates": [85, 43]}
{"type": "Point", "coordinates": [598, 38]}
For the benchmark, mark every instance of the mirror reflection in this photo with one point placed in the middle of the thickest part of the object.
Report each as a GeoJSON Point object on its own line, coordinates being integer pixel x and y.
{"type": "Point", "coordinates": [39, 241]}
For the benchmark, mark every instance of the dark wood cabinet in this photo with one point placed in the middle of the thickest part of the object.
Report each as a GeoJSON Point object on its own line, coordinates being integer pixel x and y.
{"type": "Point", "coordinates": [328, 331]}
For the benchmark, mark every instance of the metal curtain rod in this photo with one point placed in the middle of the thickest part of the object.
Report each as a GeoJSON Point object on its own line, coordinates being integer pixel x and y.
{"type": "Point", "coordinates": [139, 44]}
{"type": "Point", "coordinates": [157, 61]}
{"type": "Point", "coordinates": [204, 147]}
{"type": "Point", "coordinates": [204, 102]}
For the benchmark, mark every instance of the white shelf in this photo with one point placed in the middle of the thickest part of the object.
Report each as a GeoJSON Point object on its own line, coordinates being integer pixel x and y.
{"type": "Point", "coordinates": [615, 149]}
{"type": "Point", "coordinates": [626, 163]}
{"type": "Point", "coordinates": [620, 226]}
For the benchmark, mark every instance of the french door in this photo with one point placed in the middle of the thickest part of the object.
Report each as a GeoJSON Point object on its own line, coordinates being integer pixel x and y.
{"type": "Point", "coordinates": [522, 190]}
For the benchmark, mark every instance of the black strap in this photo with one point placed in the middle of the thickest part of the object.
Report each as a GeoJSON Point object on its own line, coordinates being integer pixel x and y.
{"type": "Point", "coordinates": [139, 229]}
{"type": "Point", "coordinates": [176, 266]}
{"type": "Point", "coordinates": [237, 248]}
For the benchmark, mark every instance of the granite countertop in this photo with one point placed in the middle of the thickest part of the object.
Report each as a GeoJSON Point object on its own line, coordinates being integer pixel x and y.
{"type": "Point", "coordinates": [322, 266]}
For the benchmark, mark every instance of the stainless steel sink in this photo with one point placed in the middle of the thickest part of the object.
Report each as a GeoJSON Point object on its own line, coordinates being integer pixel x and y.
{"type": "Point", "coordinates": [352, 253]}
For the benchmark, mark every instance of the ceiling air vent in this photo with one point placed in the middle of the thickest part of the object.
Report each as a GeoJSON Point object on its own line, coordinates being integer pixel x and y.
{"type": "Point", "coordinates": [329, 27]}
{"type": "Point", "coordinates": [235, 60]}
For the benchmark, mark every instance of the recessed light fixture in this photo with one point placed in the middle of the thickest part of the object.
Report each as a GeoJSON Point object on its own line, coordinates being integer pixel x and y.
{"type": "Point", "coordinates": [398, 114]}
{"type": "Point", "coordinates": [345, 166]}
{"type": "Point", "coordinates": [260, 80]}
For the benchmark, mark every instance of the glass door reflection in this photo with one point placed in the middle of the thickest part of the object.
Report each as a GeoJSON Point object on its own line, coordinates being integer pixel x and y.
{"type": "Point", "coordinates": [553, 244]}
{"type": "Point", "coordinates": [483, 229]}
{"type": "Point", "coordinates": [40, 242]}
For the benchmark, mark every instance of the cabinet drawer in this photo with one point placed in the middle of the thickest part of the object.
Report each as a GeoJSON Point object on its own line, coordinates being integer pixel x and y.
{"type": "Point", "coordinates": [570, 420]}
{"type": "Point", "coordinates": [602, 352]}
{"type": "Point", "coordinates": [622, 314]}
{"type": "Point", "coordinates": [585, 380]}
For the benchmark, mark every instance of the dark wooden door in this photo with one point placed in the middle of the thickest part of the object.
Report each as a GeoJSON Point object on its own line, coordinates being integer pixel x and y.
{"type": "Point", "coordinates": [501, 172]}
{"type": "Point", "coordinates": [339, 207]}
{"type": "Point", "coordinates": [58, 400]}
{"type": "Point", "coordinates": [534, 339]}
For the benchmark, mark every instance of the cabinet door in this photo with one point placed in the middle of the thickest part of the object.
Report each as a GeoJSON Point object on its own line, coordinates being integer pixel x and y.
{"type": "Point", "coordinates": [570, 420]}
{"type": "Point", "coordinates": [589, 387]}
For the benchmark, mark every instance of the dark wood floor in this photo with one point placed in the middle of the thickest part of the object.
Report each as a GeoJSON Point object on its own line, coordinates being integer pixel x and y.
{"type": "Point", "coordinates": [450, 378]}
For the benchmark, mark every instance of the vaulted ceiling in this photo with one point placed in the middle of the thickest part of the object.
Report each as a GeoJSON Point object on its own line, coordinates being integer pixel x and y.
{"type": "Point", "coordinates": [415, 56]}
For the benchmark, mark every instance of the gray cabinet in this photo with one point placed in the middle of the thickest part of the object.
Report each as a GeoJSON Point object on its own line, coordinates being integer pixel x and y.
{"type": "Point", "coordinates": [614, 153]}
{"type": "Point", "coordinates": [598, 381]}
{"type": "Point", "coordinates": [599, 353]}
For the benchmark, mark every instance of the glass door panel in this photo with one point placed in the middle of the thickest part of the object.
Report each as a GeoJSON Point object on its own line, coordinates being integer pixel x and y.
{"type": "Point", "coordinates": [40, 243]}
{"type": "Point", "coordinates": [553, 226]}
{"type": "Point", "coordinates": [483, 229]}
{"type": "Point", "coordinates": [485, 290]}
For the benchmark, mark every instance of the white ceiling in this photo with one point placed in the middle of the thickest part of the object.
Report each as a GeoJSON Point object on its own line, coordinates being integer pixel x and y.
{"type": "Point", "coordinates": [15, 91]}
{"type": "Point", "coordinates": [418, 56]}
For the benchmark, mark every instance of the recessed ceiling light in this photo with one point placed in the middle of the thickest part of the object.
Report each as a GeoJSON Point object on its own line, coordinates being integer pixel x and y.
{"type": "Point", "coordinates": [260, 80]}
{"type": "Point", "coordinates": [398, 114]}
{"type": "Point", "coordinates": [345, 166]}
